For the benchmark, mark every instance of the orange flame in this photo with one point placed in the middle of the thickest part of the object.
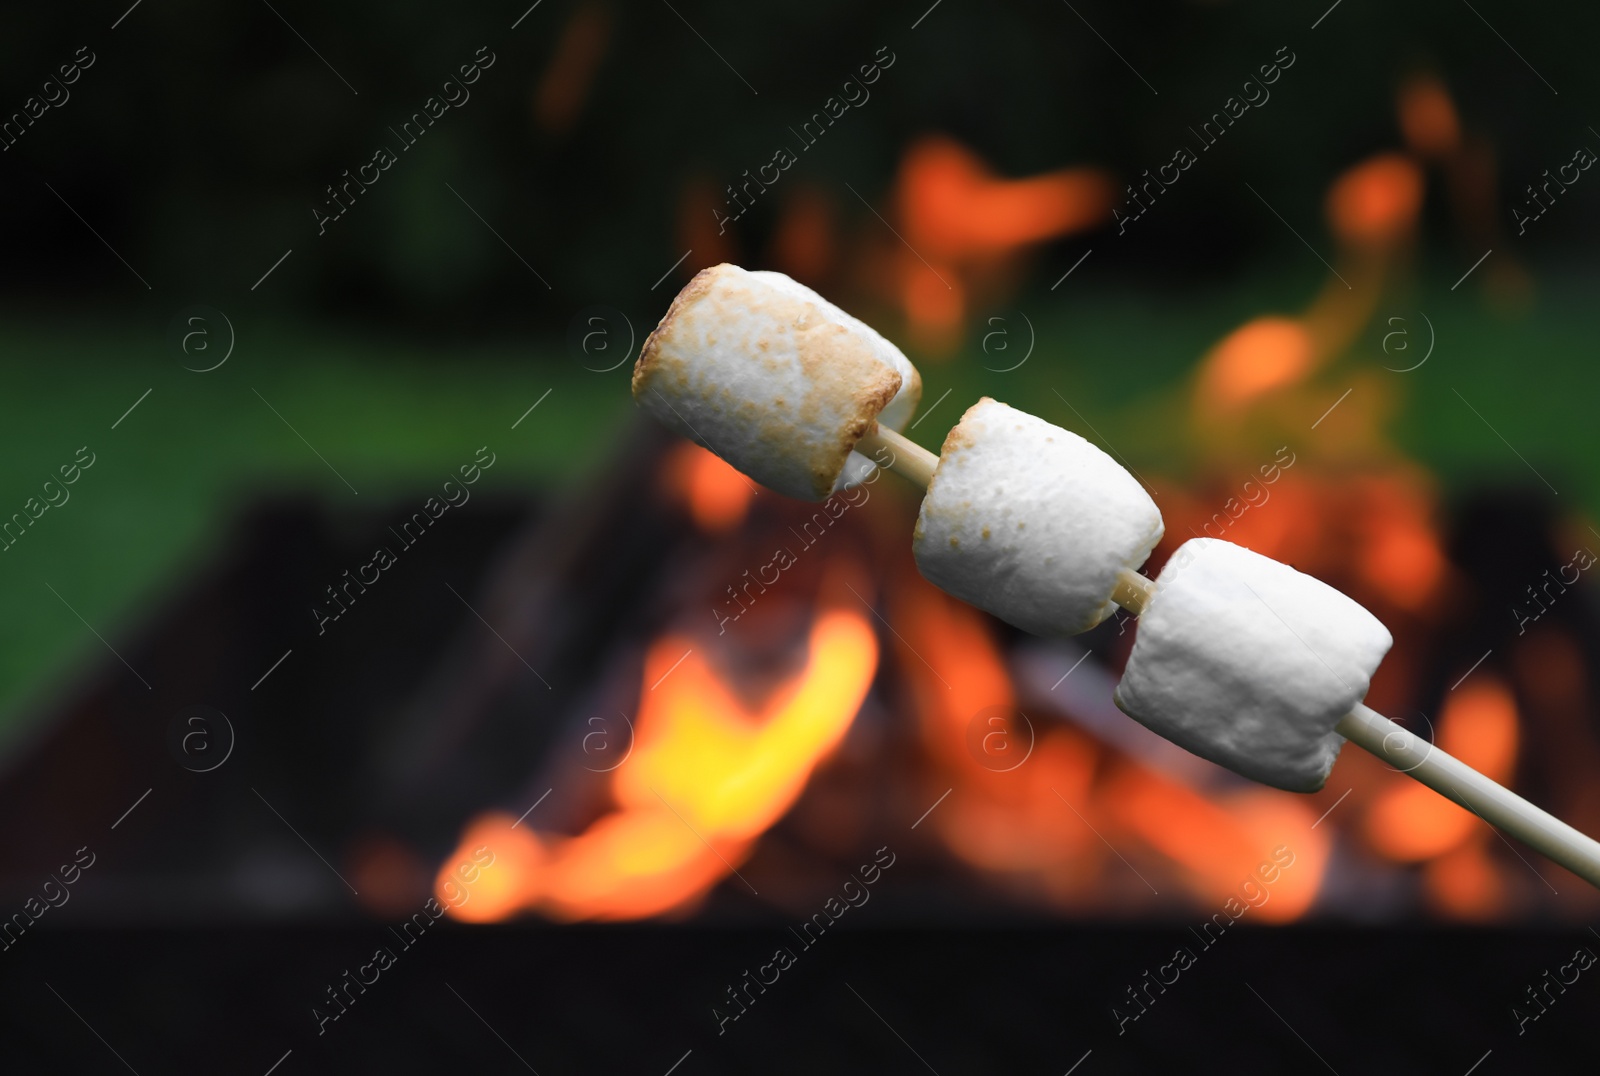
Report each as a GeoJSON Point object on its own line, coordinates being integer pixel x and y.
{"type": "Point", "coordinates": [565, 85]}
{"type": "Point", "coordinates": [804, 244]}
{"type": "Point", "coordinates": [1376, 202]}
{"type": "Point", "coordinates": [499, 891]}
{"type": "Point", "coordinates": [1011, 820]}
{"type": "Point", "coordinates": [1428, 117]}
{"type": "Point", "coordinates": [1043, 822]}
{"type": "Point", "coordinates": [708, 775]}
{"type": "Point", "coordinates": [954, 206]}
{"type": "Point", "coordinates": [1372, 209]}
{"type": "Point", "coordinates": [697, 228]}
{"type": "Point", "coordinates": [717, 495]}
{"type": "Point", "coordinates": [1221, 843]}
{"type": "Point", "coordinates": [1261, 355]}
{"type": "Point", "coordinates": [970, 224]}
{"type": "Point", "coordinates": [1478, 725]}
{"type": "Point", "coordinates": [1399, 553]}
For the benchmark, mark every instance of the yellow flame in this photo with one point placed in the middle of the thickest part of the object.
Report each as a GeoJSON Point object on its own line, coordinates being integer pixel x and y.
{"type": "Point", "coordinates": [707, 777]}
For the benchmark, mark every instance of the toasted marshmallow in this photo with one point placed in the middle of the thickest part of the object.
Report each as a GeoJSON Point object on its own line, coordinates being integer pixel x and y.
{"type": "Point", "coordinates": [773, 378]}
{"type": "Point", "coordinates": [1031, 522]}
{"type": "Point", "coordinates": [1249, 663]}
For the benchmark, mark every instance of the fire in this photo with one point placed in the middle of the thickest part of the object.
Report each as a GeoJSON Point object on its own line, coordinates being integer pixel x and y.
{"type": "Point", "coordinates": [1434, 132]}
{"type": "Point", "coordinates": [1261, 355]}
{"type": "Point", "coordinates": [697, 230]}
{"type": "Point", "coordinates": [499, 891]}
{"type": "Point", "coordinates": [955, 207]}
{"type": "Point", "coordinates": [1399, 553]}
{"type": "Point", "coordinates": [1428, 117]}
{"type": "Point", "coordinates": [727, 770]}
{"type": "Point", "coordinates": [708, 775]}
{"type": "Point", "coordinates": [963, 657]}
{"type": "Point", "coordinates": [970, 224]}
{"type": "Point", "coordinates": [1478, 725]}
{"type": "Point", "coordinates": [1466, 884]}
{"type": "Point", "coordinates": [1372, 210]}
{"type": "Point", "coordinates": [1044, 822]}
{"type": "Point", "coordinates": [566, 84]}
{"type": "Point", "coordinates": [1007, 820]}
{"type": "Point", "coordinates": [1219, 840]}
{"type": "Point", "coordinates": [1374, 531]}
{"type": "Point", "coordinates": [716, 495]}
{"type": "Point", "coordinates": [1376, 202]}
{"type": "Point", "coordinates": [804, 243]}
{"type": "Point", "coordinates": [1364, 521]}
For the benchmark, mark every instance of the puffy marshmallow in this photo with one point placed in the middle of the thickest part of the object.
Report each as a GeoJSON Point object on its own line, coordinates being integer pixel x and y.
{"type": "Point", "coordinates": [1031, 522]}
{"type": "Point", "coordinates": [773, 378]}
{"type": "Point", "coordinates": [1249, 663]}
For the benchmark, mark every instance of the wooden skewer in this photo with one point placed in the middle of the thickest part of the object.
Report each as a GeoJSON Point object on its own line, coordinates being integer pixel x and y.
{"type": "Point", "coordinates": [897, 452]}
{"type": "Point", "coordinates": [1463, 785]}
{"type": "Point", "coordinates": [1446, 775]}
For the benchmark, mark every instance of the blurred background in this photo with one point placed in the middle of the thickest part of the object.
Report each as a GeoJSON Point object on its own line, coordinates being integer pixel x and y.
{"type": "Point", "coordinates": [342, 575]}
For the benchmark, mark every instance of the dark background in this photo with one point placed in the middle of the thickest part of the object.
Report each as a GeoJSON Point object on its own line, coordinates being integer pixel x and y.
{"type": "Point", "coordinates": [203, 136]}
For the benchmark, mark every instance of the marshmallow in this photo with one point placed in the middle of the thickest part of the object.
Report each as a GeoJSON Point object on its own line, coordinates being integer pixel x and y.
{"type": "Point", "coordinates": [1249, 663]}
{"type": "Point", "coordinates": [773, 378]}
{"type": "Point", "coordinates": [1031, 522]}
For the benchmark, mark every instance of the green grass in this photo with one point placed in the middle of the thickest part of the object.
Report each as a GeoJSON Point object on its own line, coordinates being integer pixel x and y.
{"type": "Point", "coordinates": [395, 422]}
{"type": "Point", "coordinates": [396, 419]}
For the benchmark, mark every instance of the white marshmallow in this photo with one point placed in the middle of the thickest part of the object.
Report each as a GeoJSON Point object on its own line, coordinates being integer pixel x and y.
{"type": "Point", "coordinates": [1031, 522]}
{"type": "Point", "coordinates": [773, 378]}
{"type": "Point", "coordinates": [1249, 663]}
